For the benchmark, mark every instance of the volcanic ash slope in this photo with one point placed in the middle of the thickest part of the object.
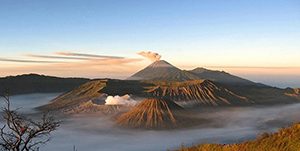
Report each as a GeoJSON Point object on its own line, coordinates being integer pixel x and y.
{"type": "Point", "coordinates": [155, 114]}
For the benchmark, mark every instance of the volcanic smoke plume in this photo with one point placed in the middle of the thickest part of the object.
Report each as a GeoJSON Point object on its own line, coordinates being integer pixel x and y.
{"type": "Point", "coordinates": [150, 55]}
{"type": "Point", "coordinates": [120, 100]}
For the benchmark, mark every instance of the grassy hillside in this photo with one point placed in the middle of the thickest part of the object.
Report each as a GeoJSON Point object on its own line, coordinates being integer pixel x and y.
{"type": "Point", "coordinates": [286, 139]}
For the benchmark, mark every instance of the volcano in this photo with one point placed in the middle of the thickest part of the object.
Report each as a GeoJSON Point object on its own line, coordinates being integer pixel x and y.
{"type": "Point", "coordinates": [162, 70]}
{"type": "Point", "coordinates": [202, 92]}
{"type": "Point", "coordinates": [152, 114]}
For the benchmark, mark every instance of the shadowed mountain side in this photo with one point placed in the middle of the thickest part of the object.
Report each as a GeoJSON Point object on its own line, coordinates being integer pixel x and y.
{"type": "Point", "coordinates": [162, 71]}
{"type": "Point", "coordinates": [123, 87]}
{"type": "Point", "coordinates": [155, 114]}
{"type": "Point", "coordinates": [84, 93]}
{"type": "Point", "coordinates": [265, 94]}
{"type": "Point", "coordinates": [286, 139]}
{"type": "Point", "coordinates": [96, 91]}
{"type": "Point", "coordinates": [34, 83]}
{"type": "Point", "coordinates": [260, 93]}
{"type": "Point", "coordinates": [202, 92]}
{"type": "Point", "coordinates": [220, 77]}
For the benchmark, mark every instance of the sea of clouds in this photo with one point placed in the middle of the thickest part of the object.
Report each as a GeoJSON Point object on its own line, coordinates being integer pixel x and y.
{"type": "Point", "coordinates": [227, 125]}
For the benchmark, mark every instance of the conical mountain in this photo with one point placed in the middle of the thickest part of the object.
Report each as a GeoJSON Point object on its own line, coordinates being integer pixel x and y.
{"type": "Point", "coordinates": [151, 114]}
{"type": "Point", "coordinates": [162, 71]}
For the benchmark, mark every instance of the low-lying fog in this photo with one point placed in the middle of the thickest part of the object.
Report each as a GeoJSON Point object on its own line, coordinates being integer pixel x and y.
{"type": "Point", "coordinates": [92, 132]}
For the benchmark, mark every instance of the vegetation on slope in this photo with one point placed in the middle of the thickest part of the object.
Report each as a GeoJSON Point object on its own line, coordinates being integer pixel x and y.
{"type": "Point", "coordinates": [286, 139]}
{"type": "Point", "coordinates": [293, 92]}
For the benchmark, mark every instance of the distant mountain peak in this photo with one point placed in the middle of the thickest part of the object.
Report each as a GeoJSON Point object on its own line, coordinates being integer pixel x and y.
{"type": "Point", "coordinates": [161, 63]}
{"type": "Point", "coordinates": [200, 70]}
{"type": "Point", "coordinates": [219, 76]}
{"type": "Point", "coordinates": [162, 70]}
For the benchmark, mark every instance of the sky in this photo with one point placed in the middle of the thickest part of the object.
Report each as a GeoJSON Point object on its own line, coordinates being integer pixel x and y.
{"type": "Point", "coordinates": [254, 39]}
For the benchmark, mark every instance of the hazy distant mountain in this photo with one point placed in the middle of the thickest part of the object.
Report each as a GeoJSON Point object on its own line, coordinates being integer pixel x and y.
{"type": "Point", "coordinates": [220, 77]}
{"type": "Point", "coordinates": [162, 71]}
{"type": "Point", "coordinates": [34, 83]}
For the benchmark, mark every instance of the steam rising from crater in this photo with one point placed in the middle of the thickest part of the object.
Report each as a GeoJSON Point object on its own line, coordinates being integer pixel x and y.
{"type": "Point", "coordinates": [120, 100]}
{"type": "Point", "coordinates": [150, 55]}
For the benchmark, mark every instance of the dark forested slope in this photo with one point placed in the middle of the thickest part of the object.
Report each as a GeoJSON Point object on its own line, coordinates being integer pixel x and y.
{"type": "Point", "coordinates": [34, 83]}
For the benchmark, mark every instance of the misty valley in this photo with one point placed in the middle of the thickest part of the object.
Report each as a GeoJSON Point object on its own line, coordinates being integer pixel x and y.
{"type": "Point", "coordinates": [223, 125]}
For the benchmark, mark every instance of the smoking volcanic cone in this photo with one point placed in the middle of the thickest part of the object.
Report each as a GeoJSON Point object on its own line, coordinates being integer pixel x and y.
{"type": "Point", "coordinates": [162, 70]}
{"type": "Point", "coordinates": [152, 114]}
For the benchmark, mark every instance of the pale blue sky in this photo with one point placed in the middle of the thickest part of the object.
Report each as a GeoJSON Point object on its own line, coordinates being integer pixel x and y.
{"type": "Point", "coordinates": [259, 33]}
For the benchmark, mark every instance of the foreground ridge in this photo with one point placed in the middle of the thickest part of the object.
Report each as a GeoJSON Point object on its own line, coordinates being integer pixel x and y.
{"type": "Point", "coordinates": [286, 139]}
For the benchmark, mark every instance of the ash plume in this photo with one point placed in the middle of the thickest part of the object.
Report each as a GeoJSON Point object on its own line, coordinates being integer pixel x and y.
{"type": "Point", "coordinates": [150, 55]}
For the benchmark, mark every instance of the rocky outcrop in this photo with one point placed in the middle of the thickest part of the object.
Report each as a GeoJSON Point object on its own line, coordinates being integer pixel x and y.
{"type": "Point", "coordinates": [293, 92]}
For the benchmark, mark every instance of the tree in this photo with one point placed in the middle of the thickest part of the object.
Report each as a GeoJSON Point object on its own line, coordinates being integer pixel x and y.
{"type": "Point", "coordinates": [20, 133]}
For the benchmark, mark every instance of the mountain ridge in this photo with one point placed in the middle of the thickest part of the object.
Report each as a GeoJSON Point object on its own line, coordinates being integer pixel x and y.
{"type": "Point", "coordinates": [163, 80]}
{"type": "Point", "coordinates": [220, 76]}
{"type": "Point", "coordinates": [35, 83]}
